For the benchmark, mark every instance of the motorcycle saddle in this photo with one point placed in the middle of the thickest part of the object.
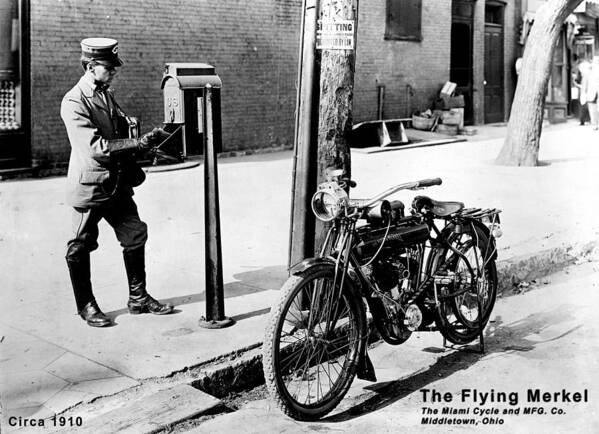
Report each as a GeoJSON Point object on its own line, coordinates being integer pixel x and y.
{"type": "Point", "coordinates": [438, 208]}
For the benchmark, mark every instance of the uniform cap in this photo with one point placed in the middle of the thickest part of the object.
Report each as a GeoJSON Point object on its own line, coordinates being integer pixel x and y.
{"type": "Point", "coordinates": [102, 50]}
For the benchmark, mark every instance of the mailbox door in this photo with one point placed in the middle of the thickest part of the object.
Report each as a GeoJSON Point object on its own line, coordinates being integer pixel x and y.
{"type": "Point", "coordinates": [194, 136]}
{"type": "Point", "coordinates": [174, 109]}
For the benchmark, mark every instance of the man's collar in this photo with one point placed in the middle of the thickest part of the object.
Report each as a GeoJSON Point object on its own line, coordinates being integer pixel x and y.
{"type": "Point", "coordinates": [89, 86]}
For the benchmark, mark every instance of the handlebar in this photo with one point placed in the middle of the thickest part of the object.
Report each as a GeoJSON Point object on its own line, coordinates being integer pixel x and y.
{"type": "Point", "coordinates": [365, 203]}
{"type": "Point", "coordinates": [429, 182]}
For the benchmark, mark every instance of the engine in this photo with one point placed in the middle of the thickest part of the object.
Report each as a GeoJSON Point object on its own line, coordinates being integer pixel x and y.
{"type": "Point", "coordinates": [395, 271]}
{"type": "Point", "coordinates": [392, 246]}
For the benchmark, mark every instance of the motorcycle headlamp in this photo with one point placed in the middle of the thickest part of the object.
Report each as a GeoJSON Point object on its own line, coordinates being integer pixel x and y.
{"type": "Point", "coordinates": [329, 201]}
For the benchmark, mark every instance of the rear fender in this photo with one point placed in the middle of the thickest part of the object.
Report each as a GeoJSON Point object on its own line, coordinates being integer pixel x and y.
{"type": "Point", "coordinates": [431, 261]}
{"type": "Point", "coordinates": [478, 225]}
{"type": "Point", "coordinates": [485, 230]}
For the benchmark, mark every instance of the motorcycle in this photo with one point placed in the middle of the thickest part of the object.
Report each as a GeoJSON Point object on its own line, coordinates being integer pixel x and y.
{"type": "Point", "coordinates": [433, 269]}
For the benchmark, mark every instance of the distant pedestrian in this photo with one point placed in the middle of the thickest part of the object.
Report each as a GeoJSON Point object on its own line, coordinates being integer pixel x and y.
{"type": "Point", "coordinates": [590, 87]}
{"type": "Point", "coordinates": [518, 66]}
{"type": "Point", "coordinates": [102, 171]}
{"type": "Point", "coordinates": [581, 70]}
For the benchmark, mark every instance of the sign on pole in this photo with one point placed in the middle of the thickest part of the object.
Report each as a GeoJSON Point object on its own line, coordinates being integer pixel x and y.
{"type": "Point", "coordinates": [335, 34]}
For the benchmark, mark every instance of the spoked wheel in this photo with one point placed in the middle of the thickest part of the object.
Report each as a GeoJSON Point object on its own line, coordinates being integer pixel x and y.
{"type": "Point", "coordinates": [466, 304]}
{"type": "Point", "coordinates": [313, 341]}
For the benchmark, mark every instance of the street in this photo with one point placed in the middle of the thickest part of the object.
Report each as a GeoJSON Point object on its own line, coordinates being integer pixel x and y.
{"type": "Point", "coordinates": [544, 339]}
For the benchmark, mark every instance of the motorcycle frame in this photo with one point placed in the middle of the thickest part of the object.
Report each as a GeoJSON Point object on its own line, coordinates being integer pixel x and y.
{"type": "Point", "coordinates": [341, 253]}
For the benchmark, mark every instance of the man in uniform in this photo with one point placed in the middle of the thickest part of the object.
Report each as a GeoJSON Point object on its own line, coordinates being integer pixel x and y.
{"type": "Point", "coordinates": [101, 176]}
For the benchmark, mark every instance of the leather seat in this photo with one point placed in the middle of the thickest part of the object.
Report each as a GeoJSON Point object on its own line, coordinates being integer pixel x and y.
{"type": "Point", "coordinates": [438, 208]}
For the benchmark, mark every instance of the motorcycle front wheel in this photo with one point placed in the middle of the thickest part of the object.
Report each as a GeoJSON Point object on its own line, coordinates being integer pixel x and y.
{"type": "Point", "coordinates": [461, 317]}
{"type": "Point", "coordinates": [313, 341]}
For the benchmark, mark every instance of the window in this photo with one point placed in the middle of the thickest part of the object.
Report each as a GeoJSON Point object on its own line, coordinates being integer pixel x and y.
{"type": "Point", "coordinates": [10, 85]}
{"type": "Point", "coordinates": [584, 48]}
{"type": "Point", "coordinates": [403, 20]}
{"type": "Point", "coordinates": [494, 14]}
{"type": "Point", "coordinates": [557, 90]}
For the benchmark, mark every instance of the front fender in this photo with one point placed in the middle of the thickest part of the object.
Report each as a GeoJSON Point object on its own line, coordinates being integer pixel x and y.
{"type": "Point", "coordinates": [351, 284]}
{"type": "Point", "coordinates": [300, 267]}
{"type": "Point", "coordinates": [365, 369]}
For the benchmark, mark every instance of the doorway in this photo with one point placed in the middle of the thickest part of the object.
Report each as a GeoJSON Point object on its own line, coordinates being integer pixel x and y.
{"type": "Point", "coordinates": [14, 84]}
{"type": "Point", "coordinates": [494, 77]}
{"type": "Point", "coordinates": [460, 70]}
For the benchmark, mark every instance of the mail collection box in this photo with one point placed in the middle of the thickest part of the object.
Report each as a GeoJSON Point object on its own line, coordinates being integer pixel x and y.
{"type": "Point", "coordinates": [184, 87]}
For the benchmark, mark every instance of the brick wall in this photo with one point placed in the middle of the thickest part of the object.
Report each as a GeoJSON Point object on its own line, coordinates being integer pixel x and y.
{"type": "Point", "coordinates": [253, 45]}
{"type": "Point", "coordinates": [396, 64]}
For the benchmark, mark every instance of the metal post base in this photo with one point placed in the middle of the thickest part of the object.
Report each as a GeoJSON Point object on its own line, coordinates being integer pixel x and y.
{"type": "Point", "coordinates": [216, 324]}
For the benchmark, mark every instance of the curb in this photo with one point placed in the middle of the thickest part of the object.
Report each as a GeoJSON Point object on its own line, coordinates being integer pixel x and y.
{"type": "Point", "coordinates": [524, 268]}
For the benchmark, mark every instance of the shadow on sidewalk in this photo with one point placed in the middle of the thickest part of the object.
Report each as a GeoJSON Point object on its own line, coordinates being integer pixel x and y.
{"type": "Point", "coordinates": [249, 282]}
{"type": "Point", "coordinates": [551, 161]}
{"type": "Point", "coordinates": [505, 338]}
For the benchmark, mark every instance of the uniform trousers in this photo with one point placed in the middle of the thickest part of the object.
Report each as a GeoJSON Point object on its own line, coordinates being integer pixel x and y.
{"type": "Point", "coordinates": [121, 213]}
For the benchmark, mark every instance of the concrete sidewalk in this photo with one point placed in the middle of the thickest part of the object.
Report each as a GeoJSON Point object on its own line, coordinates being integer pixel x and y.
{"type": "Point", "coordinates": [50, 360]}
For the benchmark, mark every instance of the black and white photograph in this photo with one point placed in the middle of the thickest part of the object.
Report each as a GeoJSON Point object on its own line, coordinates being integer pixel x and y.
{"type": "Point", "coordinates": [299, 216]}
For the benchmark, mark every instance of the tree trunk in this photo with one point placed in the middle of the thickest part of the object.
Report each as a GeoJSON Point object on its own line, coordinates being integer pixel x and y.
{"type": "Point", "coordinates": [521, 146]}
{"type": "Point", "coordinates": [337, 68]}
{"type": "Point", "coordinates": [335, 119]}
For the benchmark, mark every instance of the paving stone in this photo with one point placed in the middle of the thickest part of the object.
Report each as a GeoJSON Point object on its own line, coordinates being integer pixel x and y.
{"type": "Point", "coordinates": [106, 386]}
{"type": "Point", "coordinates": [258, 418]}
{"type": "Point", "coordinates": [29, 354]}
{"type": "Point", "coordinates": [29, 389]}
{"type": "Point", "coordinates": [75, 369]}
{"type": "Point", "coordinates": [152, 413]}
{"type": "Point", "coordinates": [67, 398]}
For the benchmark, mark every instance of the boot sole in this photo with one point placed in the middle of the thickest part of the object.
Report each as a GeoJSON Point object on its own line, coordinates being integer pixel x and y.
{"type": "Point", "coordinates": [139, 311]}
{"type": "Point", "coordinates": [99, 324]}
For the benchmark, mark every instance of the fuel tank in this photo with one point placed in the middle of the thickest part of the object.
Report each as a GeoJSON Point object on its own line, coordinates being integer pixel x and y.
{"type": "Point", "coordinates": [401, 235]}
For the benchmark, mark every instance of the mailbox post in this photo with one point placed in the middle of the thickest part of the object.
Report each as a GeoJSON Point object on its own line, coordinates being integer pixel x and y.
{"type": "Point", "coordinates": [192, 101]}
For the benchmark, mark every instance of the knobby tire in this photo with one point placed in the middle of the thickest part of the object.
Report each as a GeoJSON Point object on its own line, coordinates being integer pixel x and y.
{"type": "Point", "coordinates": [298, 344]}
{"type": "Point", "coordinates": [451, 318]}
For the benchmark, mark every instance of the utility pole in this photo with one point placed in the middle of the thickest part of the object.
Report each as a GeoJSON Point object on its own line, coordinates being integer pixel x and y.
{"type": "Point", "coordinates": [323, 112]}
{"type": "Point", "coordinates": [336, 44]}
{"type": "Point", "coordinates": [301, 233]}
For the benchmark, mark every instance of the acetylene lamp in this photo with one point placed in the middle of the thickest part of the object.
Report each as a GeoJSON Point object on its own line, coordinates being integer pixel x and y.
{"type": "Point", "coordinates": [329, 201]}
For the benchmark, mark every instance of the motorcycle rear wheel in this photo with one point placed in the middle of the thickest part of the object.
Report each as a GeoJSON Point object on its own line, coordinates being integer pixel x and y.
{"type": "Point", "coordinates": [460, 318]}
{"type": "Point", "coordinates": [313, 342]}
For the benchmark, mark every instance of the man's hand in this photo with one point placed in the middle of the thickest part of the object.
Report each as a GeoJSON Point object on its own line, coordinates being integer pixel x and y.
{"type": "Point", "coordinates": [151, 139]}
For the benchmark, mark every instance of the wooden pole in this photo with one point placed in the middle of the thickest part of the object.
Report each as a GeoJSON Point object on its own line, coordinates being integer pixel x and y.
{"type": "Point", "coordinates": [336, 46]}
{"type": "Point", "coordinates": [323, 114]}
{"type": "Point", "coordinates": [301, 233]}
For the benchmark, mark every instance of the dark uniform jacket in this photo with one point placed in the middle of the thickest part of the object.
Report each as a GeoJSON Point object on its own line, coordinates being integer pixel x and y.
{"type": "Point", "coordinates": [100, 165]}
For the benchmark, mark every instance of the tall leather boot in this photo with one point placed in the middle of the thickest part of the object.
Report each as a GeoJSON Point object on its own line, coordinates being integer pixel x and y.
{"type": "Point", "coordinates": [139, 300]}
{"type": "Point", "coordinates": [79, 271]}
